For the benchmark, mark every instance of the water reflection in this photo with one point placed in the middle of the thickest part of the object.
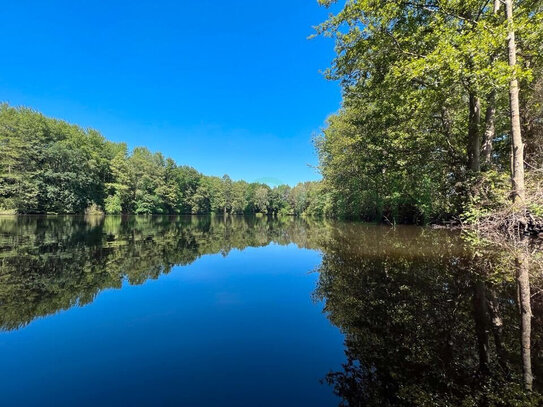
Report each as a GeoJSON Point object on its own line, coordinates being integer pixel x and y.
{"type": "Point", "coordinates": [49, 264]}
{"type": "Point", "coordinates": [447, 324]}
{"type": "Point", "coordinates": [429, 318]}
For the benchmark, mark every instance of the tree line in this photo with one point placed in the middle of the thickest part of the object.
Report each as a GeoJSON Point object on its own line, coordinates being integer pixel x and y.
{"type": "Point", "coordinates": [442, 111]}
{"type": "Point", "coordinates": [50, 166]}
{"type": "Point", "coordinates": [441, 118]}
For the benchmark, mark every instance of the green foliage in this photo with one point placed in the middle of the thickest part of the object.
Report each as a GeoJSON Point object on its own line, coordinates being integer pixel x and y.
{"type": "Point", "coordinates": [50, 166]}
{"type": "Point", "coordinates": [405, 145]}
{"type": "Point", "coordinates": [488, 192]}
{"type": "Point", "coordinates": [113, 204]}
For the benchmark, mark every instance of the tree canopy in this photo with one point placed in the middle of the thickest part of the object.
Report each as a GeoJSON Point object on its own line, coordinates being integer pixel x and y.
{"type": "Point", "coordinates": [425, 131]}
{"type": "Point", "coordinates": [50, 166]}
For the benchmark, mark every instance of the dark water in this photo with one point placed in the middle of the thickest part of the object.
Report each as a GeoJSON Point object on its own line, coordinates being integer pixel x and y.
{"type": "Point", "coordinates": [187, 311]}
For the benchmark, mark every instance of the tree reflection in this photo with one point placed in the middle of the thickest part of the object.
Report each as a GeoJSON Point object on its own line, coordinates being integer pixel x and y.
{"type": "Point", "coordinates": [49, 264]}
{"type": "Point", "coordinates": [431, 321]}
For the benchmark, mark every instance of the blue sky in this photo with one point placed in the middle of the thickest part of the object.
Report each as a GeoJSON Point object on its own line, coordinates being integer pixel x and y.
{"type": "Point", "coordinates": [224, 86]}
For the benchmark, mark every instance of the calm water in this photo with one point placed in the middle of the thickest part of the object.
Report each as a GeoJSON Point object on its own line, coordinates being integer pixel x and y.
{"type": "Point", "coordinates": [187, 311]}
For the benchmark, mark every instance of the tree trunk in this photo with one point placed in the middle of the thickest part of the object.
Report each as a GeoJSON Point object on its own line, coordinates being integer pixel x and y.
{"type": "Point", "coordinates": [496, 323]}
{"type": "Point", "coordinates": [481, 325]}
{"type": "Point", "coordinates": [497, 5]}
{"type": "Point", "coordinates": [517, 146]}
{"type": "Point", "coordinates": [523, 281]}
{"type": "Point", "coordinates": [474, 145]}
{"type": "Point", "coordinates": [490, 116]}
{"type": "Point", "coordinates": [490, 129]}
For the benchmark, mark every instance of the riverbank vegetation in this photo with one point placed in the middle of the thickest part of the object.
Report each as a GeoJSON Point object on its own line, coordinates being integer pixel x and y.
{"type": "Point", "coordinates": [442, 113]}
{"type": "Point", "coordinates": [441, 120]}
{"type": "Point", "coordinates": [50, 166]}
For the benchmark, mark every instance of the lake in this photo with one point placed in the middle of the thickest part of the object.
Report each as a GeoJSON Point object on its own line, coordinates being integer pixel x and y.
{"type": "Point", "coordinates": [255, 311]}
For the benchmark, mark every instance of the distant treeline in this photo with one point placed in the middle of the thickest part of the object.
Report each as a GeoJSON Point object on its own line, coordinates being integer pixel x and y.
{"type": "Point", "coordinates": [50, 166]}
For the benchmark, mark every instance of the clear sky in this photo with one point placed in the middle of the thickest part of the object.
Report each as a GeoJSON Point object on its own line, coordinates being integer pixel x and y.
{"type": "Point", "coordinates": [224, 86]}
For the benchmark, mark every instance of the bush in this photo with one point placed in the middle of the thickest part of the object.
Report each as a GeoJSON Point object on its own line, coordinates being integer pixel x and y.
{"type": "Point", "coordinates": [113, 204]}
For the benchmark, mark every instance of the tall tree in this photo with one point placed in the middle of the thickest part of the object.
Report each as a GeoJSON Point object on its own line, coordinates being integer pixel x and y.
{"type": "Point", "coordinates": [517, 144]}
{"type": "Point", "coordinates": [490, 114]}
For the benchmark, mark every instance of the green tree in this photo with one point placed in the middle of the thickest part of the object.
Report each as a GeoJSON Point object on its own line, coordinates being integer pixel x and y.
{"type": "Point", "coordinates": [415, 77]}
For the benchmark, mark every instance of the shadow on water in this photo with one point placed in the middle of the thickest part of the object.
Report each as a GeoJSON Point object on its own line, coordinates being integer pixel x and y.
{"type": "Point", "coordinates": [433, 319]}
{"type": "Point", "coordinates": [429, 317]}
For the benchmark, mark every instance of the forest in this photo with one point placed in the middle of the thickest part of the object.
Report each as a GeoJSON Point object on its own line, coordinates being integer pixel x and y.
{"type": "Point", "coordinates": [51, 167]}
{"type": "Point", "coordinates": [441, 121]}
{"type": "Point", "coordinates": [442, 111]}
